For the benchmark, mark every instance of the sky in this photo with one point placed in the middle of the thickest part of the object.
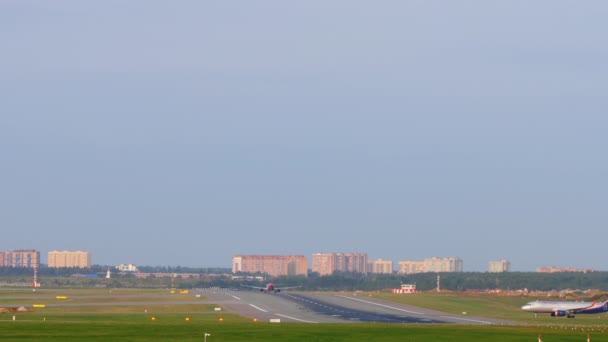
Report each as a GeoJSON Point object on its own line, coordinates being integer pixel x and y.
{"type": "Point", "coordinates": [186, 132]}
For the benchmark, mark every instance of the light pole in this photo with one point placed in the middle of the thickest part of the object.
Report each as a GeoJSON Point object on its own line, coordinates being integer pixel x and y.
{"type": "Point", "coordinates": [205, 339]}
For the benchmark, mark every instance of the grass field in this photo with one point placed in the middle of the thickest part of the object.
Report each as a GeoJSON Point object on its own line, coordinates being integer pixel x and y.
{"type": "Point", "coordinates": [168, 322]}
{"type": "Point", "coordinates": [233, 328]}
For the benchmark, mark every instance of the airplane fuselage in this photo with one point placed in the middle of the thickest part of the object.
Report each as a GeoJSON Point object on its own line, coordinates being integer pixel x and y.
{"type": "Point", "coordinates": [558, 309]}
{"type": "Point", "coordinates": [270, 288]}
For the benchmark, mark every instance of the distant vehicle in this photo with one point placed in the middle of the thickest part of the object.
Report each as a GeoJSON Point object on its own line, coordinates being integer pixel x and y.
{"type": "Point", "coordinates": [270, 287]}
{"type": "Point", "coordinates": [568, 309]}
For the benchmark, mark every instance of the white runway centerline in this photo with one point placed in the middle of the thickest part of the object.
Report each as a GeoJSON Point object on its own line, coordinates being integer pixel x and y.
{"type": "Point", "coordinates": [466, 319]}
{"type": "Point", "coordinates": [256, 307]}
{"type": "Point", "coordinates": [295, 319]}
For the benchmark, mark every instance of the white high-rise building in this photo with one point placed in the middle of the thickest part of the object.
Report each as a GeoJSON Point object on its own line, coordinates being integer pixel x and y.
{"type": "Point", "coordinates": [499, 266]}
{"type": "Point", "coordinates": [434, 264]}
{"type": "Point", "coordinates": [380, 266]}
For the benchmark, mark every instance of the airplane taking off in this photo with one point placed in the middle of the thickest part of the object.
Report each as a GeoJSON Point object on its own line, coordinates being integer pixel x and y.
{"type": "Point", "coordinates": [270, 287]}
{"type": "Point", "coordinates": [558, 309]}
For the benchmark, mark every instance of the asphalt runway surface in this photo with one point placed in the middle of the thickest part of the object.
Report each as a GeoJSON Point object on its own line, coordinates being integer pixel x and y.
{"type": "Point", "coordinates": [307, 307]}
{"type": "Point", "coordinates": [293, 306]}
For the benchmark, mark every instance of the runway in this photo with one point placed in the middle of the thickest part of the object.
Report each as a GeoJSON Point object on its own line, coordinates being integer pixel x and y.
{"type": "Point", "coordinates": [305, 307]}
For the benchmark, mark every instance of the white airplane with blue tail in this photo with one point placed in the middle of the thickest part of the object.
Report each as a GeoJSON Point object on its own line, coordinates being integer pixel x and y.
{"type": "Point", "coordinates": [568, 309]}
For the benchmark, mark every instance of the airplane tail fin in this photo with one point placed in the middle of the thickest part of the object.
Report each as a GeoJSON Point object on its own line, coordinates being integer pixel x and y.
{"type": "Point", "coordinates": [600, 304]}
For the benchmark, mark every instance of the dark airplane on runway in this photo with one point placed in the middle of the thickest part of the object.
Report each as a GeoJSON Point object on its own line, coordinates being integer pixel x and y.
{"type": "Point", "coordinates": [270, 287]}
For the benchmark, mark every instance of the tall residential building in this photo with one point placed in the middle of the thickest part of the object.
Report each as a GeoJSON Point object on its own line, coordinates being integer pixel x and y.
{"type": "Point", "coordinates": [499, 266]}
{"type": "Point", "coordinates": [411, 267]}
{"type": "Point", "coordinates": [328, 263]}
{"type": "Point", "coordinates": [323, 263]}
{"type": "Point", "coordinates": [450, 264]}
{"type": "Point", "coordinates": [380, 266]}
{"type": "Point", "coordinates": [351, 262]}
{"type": "Point", "coordinates": [77, 259]}
{"type": "Point", "coordinates": [2, 258]}
{"type": "Point", "coordinates": [22, 258]}
{"type": "Point", "coordinates": [273, 265]}
{"type": "Point", "coordinates": [434, 264]}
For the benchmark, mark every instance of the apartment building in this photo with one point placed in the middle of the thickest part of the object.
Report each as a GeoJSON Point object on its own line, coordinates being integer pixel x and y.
{"type": "Point", "coordinates": [21, 258]}
{"type": "Point", "coordinates": [380, 266]}
{"type": "Point", "coordinates": [273, 265]}
{"type": "Point", "coordinates": [499, 266]}
{"type": "Point", "coordinates": [328, 263]}
{"type": "Point", "coordinates": [323, 263]}
{"type": "Point", "coordinates": [410, 267]}
{"type": "Point", "coordinates": [434, 264]}
{"type": "Point", "coordinates": [553, 269]}
{"type": "Point", "coordinates": [71, 259]}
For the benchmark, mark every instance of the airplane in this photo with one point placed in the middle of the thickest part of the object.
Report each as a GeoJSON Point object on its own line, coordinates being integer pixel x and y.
{"type": "Point", "coordinates": [559, 309]}
{"type": "Point", "coordinates": [270, 287]}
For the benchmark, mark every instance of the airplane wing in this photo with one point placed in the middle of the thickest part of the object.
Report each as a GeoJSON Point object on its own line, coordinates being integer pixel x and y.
{"type": "Point", "coordinates": [289, 287]}
{"type": "Point", "coordinates": [254, 287]}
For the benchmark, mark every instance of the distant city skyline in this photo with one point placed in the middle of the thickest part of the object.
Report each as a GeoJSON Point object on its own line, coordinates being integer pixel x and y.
{"type": "Point", "coordinates": [322, 263]}
{"type": "Point", "coordinates": [149, 132]}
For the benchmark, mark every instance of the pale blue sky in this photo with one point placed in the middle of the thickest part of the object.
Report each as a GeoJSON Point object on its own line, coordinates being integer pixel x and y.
{"type": "Point", "coordinates": [184, 132]}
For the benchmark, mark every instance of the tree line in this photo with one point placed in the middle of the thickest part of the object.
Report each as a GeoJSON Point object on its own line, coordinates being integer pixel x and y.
{"type": "Point", "coordinates": [339, 281]}
{"type": "Point", "coordinates": [456, 281]}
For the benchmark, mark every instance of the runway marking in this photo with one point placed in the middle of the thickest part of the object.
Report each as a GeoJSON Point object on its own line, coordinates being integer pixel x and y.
{"type": "Point", "coordinates": [235, 297]}
{"type": "Point", "coordinates": [382, 305]}
{"type": "Point", "coordinates": [258, 308]}
{"type": "Point", "coordinates": [296, 319]}
{"type": "Point", "coordinates": [466, 319]}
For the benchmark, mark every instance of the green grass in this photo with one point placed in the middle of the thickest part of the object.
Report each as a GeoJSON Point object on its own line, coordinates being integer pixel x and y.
{"type": "Point", "coordinates": [124, 309]}
{"type": "Point", "coordinates": [91, 296]}
{"type": "Point", "coordinates": [174, 328]}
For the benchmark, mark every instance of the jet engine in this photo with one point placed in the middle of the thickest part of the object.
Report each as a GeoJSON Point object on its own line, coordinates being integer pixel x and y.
{"type": "Point", "coordinates": [559, 313]}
